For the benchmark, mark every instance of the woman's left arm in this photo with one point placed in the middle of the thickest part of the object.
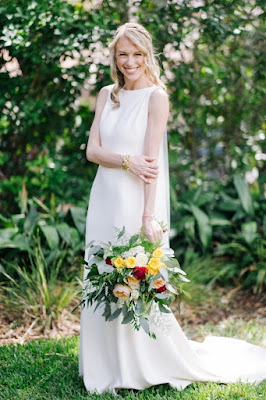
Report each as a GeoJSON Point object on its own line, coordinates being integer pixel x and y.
{"type": "Point", "coordinates": [157, 120]}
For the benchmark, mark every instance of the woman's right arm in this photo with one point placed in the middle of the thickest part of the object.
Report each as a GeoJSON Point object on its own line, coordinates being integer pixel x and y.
{"type": "Point", "coordinates": [144, 167]}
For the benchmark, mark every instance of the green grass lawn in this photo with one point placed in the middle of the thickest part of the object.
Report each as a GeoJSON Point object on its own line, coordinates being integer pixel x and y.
{"type": "Point", "coordinates": [48, 370]}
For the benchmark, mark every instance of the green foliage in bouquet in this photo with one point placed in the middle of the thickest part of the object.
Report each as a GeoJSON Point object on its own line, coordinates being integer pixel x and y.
{"type": "Point", "coordinates": [130, 278]}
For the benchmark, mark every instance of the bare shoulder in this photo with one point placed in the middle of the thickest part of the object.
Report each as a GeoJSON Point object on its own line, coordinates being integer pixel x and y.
{"type": "Point", "coordinates": [103, 93]}
{"type": "Point", "coordinates": [159, 100]}
{"type": "Point", "coordinates": [102, 98]}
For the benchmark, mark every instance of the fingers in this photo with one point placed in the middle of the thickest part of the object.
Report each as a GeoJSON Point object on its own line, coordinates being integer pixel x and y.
{"type": "Point", "coordinates": [149, 159]}
{"type": "Point", "coordinates": [150, 175]}
{"type": "Point", "coordinates": [146, 180]}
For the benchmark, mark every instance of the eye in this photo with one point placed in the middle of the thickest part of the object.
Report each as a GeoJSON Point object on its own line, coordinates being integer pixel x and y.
{"type": "Point", "coordinates": [138, 54]}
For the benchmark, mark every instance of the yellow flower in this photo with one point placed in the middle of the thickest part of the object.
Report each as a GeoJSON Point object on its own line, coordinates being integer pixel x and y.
{"type": "Point", "coordinates": [119, 262]}
{"type": "Point", "coordinates": [154, 266]}
{"type": "Point", "coordinates": [131, 262]}
{"type": "Point", "coordinates": [157, 252]}
{"type": "Point", "coordinates": [163, 265]}
{"type": "Point", "coordinates": [154, 262]}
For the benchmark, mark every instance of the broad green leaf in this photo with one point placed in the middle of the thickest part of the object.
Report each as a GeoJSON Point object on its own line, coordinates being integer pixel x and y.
{"type": "Point", "coordinates": [7, 234]}
{"type": "Point", "coordinates": [31, 220]}
{"type": "Point", "coordinates": [79, 218]}
{"type": "Point", "coordinates": [64, 232]}
{"type": "Point", "coordinates": [244, 194]}
{"type": "Point", "coordinates": [51, 235]}
{"type": "Point", "coordinates": [249, 231]}
{"type": "Point", "coordinates": [228, 203]}
{"type": "Point", "coordinates": [205, 229]}
{"type": "Point", "coordinates": [219, 221]}
{"type": "Point", "coordinates": [16, 218]}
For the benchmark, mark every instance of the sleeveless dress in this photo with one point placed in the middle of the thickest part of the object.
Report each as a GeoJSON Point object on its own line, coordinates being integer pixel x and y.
{"type": "Point", "coordinates": [113, 355]}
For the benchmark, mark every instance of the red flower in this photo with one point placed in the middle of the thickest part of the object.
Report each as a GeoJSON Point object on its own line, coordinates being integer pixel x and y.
{"type": "Point", "coordinates": [108, 261]}
{"type": "Point", "coordinates": [161, 289]}
{"type": "Point", "coordinates": [140, 272]}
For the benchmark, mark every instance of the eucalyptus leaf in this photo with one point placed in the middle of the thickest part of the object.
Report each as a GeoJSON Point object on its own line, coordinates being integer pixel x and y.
{"type": "Point", "coordinates": [115, 314]}
{"type": "Point", "coordinates": [145, 325]}
{"type": "Point", "coordinates": [164, 273]}
{"type": "Point", "coordinates": [170, 288]}
{"type": "Point", "coordinates": [163, 309]}
{"type": "Point", "coordinates": [138, 307]}
{"type": "Point", "coordinates": [93, 250]}
{"type": "Point", "coordinates": [128, 317]}
{"type": "Point", "coordinates": [103, 267]}
{"type": "Point", "coordinates": [162, 296]}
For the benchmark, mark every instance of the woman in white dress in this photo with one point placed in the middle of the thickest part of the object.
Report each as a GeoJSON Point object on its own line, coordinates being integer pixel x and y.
{"type": "Point", "coordinates": [128, 141]}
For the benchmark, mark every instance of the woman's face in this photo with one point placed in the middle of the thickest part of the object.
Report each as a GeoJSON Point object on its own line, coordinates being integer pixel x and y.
{"type": "Point", "coordinates": [129, 60]}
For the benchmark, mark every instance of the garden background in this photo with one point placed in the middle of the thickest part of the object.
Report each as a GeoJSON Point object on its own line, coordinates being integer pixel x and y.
{"type": "Point", "coordinates": [54, 60]}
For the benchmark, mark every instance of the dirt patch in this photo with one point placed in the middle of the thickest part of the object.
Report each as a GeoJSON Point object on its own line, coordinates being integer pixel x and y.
{"type": "Point", "coordinates": [220, 305]}
{"type": "Point", "coordinates": [217, 306]}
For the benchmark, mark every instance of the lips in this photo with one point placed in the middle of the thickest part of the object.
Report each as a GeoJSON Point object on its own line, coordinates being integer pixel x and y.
{"type": "Point", "coordinates": [131, 70]}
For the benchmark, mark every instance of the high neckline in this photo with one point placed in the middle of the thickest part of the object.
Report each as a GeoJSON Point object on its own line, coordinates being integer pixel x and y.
{"type": "Point", "coordinates": [137, 90]}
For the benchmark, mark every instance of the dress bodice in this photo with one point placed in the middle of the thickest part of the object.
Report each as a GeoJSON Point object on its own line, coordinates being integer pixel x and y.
{"type": "Point", "coordinates": [123, 129]}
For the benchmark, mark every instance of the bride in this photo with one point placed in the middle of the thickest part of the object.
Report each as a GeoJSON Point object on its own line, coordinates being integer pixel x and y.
{"type": "Point", "coordinates": [131, 189]}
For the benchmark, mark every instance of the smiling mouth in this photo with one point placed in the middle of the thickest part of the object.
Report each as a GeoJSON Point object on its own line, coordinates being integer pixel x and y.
{"type": "Point", "coordinates": [131, 70]}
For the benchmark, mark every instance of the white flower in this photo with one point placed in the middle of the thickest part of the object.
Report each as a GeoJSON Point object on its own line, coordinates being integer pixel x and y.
{"type": "Point", "coordinates": [252, 176]}
{"type": "Point", "coordinates": [141, 259]}
{"type": "Point", "coordinates": [138, 249]}
{"type": "Point", "coordinates": [135, 294]}
{"type": "Point", "coordinates": [133, 251]}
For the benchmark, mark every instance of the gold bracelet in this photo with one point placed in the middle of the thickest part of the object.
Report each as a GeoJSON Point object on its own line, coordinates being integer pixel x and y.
{"type": "Point", "coordinates": [125, 163]}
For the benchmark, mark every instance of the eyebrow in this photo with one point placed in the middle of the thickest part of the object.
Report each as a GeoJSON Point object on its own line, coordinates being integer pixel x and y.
{"type": "Point", "coordinates": [122, 51]}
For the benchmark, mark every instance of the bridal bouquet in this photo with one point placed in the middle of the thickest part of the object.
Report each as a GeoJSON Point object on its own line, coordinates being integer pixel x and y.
{"type": "Point", "coordinates": [131, 277]}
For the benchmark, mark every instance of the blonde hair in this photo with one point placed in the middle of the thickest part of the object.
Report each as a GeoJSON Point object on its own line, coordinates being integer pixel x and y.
{"type": "Point", "coordinates": [141, 38]}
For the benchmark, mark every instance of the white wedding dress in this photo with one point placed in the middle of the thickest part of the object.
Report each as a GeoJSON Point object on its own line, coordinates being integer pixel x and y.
{"type": "Point", "coordinates": [113, 355]}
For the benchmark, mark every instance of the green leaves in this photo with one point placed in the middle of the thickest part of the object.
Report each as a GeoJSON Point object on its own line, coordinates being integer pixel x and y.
{"type": "Point", "coordinates": [31, 220]}
{"type": "Point", "coordinates": [79, 217]}
{"type": "Point", "coordinates": [51, 235]}
{"type": "Point", "coordinates": [204, 226]}
{"type": "Point", "coordinates": [128, 317]}
{"type": "Point", "coordinates": [244, 194]}
{"type": "Point", "coordinates": [115, 314]}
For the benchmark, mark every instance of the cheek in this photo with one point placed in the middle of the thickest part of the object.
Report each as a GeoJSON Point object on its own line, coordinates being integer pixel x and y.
{"type": "Point", "coordinates": [142, 63]}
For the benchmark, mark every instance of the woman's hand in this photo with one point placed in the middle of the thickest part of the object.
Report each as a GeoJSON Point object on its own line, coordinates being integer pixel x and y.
{"type": "Point", "coordinates": [152, 229]}
{"type": "Point", "coordinates": [146, 168]}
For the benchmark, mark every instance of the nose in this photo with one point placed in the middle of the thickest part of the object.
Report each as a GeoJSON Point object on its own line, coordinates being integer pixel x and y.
{"type": "Point", "coordinates": [130, 61]}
